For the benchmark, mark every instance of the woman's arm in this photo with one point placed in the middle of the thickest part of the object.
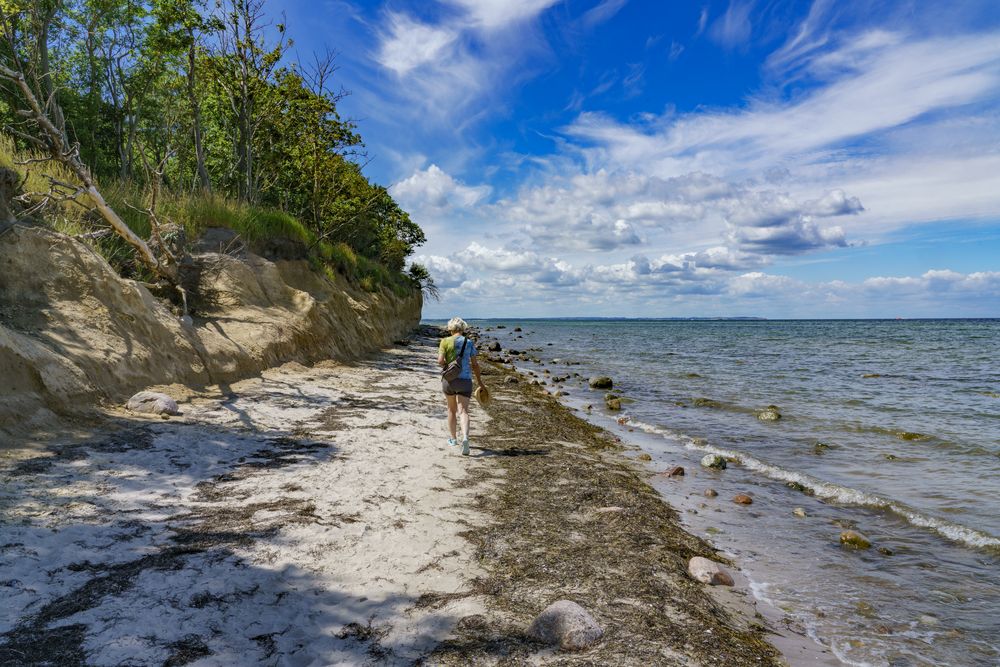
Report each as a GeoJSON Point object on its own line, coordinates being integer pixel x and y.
{"type": "Point", "coordinates": [475, 371]}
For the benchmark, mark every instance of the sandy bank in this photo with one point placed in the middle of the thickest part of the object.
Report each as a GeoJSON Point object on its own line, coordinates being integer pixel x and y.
{"type": "Point", "coordinates": [73, 333]}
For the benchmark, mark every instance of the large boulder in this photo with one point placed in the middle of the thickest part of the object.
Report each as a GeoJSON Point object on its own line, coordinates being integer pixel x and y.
{"type": "Point", "coordinates": [567, 624]}
{"type": "Point", "coordinates": [601, 382]}
{"type": "Point", "coordinates": [708, 572]}
{"type": "Point", "coordinates": [152, 403]}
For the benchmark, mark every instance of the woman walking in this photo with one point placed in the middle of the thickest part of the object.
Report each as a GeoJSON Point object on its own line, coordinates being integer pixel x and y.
{"type": "Point", "coordinates": [457, 356]}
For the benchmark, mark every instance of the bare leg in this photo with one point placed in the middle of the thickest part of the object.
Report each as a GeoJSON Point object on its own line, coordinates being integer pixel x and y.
{"type": "Point", "coordinates": [463, 414]}
{"type": "Point", "coordinates": [451, 414]}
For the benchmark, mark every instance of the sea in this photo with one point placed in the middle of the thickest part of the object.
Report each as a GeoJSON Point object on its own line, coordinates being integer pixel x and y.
{"type": "Point", "coordinates": [890, 428]}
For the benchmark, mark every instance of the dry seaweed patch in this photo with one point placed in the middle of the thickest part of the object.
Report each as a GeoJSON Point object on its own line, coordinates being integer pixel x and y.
{"type": "Point", "coordinates": [550, 540]}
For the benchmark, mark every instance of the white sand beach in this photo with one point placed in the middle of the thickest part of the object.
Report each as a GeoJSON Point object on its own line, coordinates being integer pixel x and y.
{"type": "Point", "coordinates": [311, 517]}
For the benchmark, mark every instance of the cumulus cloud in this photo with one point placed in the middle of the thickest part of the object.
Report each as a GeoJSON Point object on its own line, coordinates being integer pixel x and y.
{"type": "Point", "coordinates": [433, 188]}
{"type": "Point", "coordinates": [609, 211]}
{"type": "Point", "coordinates": [445, 271]}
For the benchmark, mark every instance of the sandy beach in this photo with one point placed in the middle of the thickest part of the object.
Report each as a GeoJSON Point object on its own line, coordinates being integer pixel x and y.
{"type": "Point", "coordinates": [316, 516]}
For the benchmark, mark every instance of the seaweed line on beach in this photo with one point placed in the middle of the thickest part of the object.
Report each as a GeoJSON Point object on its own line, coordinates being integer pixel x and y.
{"type": "Point", "coordinates": [572, 519]}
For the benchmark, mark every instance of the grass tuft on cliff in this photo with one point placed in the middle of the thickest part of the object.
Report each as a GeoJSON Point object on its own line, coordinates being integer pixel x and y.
{"type": "Point", "coordinates": [194, 212]}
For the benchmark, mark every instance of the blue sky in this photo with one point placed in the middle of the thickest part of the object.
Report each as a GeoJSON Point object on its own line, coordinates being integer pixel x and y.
{"type": "Point", "coordinates": [652, 158]}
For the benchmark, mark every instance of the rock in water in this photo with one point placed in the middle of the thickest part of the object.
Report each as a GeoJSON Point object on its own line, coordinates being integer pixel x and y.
{"type": "Point", "coordinates": [614, 403]}
{"type": "Point", "coordinates": [798, 511]}
{"type": "Point", "coordinates": [152, 403]}
{"type": "Point", "coordinates": [854, 540]}
{"type": "Point", "coordinates": [708, 572]}
{"type": "Point", "coordinates": [644, 457]}
{"type": "Point", "coordinates": [494, 347]}
{"type": "Point", "coordinates": [714, 461]}
{"type": "Point", "coordinates": [711, 493]}
{"type": "Point", "coordinates": [771, 414]}
{"type": "Point", "coordinates": [742, 499]}
{"type": "Point", "coordinates": [567, 624]}
{"type": "Point", "coordinates": [601, 382]}
{"type": "Point", "coordinates": [676, 471]}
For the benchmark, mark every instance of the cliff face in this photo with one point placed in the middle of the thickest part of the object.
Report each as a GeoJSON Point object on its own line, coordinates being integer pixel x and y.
{"type": "Point", "coordinates": [73, 333]}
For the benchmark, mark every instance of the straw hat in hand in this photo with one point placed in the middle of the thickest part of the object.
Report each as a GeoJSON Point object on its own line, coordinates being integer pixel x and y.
{"type": "Point", "coordinates": [482, 395]}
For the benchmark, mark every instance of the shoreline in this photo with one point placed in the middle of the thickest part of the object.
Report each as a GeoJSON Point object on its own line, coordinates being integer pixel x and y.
{"type": "Point", "coordinates": [316, 511]}
{"type": "Point", "coordinates": [657, 540]}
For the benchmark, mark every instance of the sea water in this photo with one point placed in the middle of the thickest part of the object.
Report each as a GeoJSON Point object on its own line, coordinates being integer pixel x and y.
{"type": "Point", "coordinates": [890, 428]}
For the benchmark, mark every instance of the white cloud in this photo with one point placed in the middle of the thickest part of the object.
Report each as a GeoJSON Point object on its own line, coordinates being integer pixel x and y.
{"type": "Point", "coordinates": [733, 28]}
{"type": "Point", "coordinates": [433, 188]}
{"type": "Point", "coordinates": [492, 14]}
{"type": "Point", "coordinates": [713, 282]}
{"type": "Point", "coordinates": [875, 89]}
{"type": "Point", "coordinates": [445, 271]}
{"type": "Point", "coordinates": [409, 44]}
{"type": "Point", "coordinates": [602, 12]}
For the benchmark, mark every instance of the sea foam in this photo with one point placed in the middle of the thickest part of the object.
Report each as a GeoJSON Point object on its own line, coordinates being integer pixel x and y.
{"type": "Point", "coordinates": [828, 491]}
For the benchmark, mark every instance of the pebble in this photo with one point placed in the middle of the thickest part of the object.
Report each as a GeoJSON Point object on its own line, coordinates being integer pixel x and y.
{"type": "Point", "coordinates": [644, 457]}
{"type": "Point", "coordinates": [798, 511]}
{"type": "Point", "coordinates": [711, 493]}
{"type": "Point", "coordinates": [676, 471]}
{"type": "Point", "coordinates": [742, 499]}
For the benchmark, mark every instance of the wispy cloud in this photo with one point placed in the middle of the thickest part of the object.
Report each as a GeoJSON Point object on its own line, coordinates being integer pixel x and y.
{"type": "Point", "coordinates": [498, 14]}
{"type": "Point", "coordinates": [733, 29]}
{"type": "Point", "coordinates": [601, 12]}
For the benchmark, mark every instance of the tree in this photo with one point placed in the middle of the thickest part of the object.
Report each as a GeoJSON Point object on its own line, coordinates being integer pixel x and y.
{"type": "Point", "coordinates": [243, 64]}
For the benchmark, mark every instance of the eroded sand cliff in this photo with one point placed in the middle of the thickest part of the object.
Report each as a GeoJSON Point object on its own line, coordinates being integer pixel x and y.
{"type": "Point", "coordinates": [73, 333]}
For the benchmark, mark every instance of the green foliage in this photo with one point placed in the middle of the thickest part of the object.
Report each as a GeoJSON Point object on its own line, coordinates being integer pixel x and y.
{"type": "Point", "coordinates": [199, 98]}
{"type": "Point", "coordinates": [421, 277]}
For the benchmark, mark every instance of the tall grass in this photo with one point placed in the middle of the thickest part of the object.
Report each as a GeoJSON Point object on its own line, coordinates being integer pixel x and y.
{"type": "Point", "coordinates": [194, 212]}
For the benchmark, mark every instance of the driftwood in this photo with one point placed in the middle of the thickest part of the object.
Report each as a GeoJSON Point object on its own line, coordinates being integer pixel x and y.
{"type": "Point", "coordinates": [51, 140]}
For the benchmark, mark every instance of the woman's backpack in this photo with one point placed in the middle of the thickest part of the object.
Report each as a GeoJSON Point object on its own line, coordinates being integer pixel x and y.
{"type": "Point", "coordinates": [454, 369]}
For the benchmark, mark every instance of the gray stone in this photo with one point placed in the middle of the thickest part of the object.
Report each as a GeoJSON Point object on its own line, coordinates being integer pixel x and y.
{"type": "Point", "coordinates": [714, 461]}
{"type": "Point", "coordinates": [769, 415]}
{"type": "Point", "coordinates": [566, 624]}
{"type": "Point", "coordinates": [708, 572]}
{"type": "Point", "coordinates": [152, 403]}
{"type": "Point", "coordinates": [601, 382]}
{"type": "Point", "coordinates": [854, 540]}
{"type": "Point", "coordinates": [494, 347]}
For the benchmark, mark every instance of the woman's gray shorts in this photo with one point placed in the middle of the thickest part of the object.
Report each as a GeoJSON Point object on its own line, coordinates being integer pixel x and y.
{"type": "Point", "coordinates": [457, 387]}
